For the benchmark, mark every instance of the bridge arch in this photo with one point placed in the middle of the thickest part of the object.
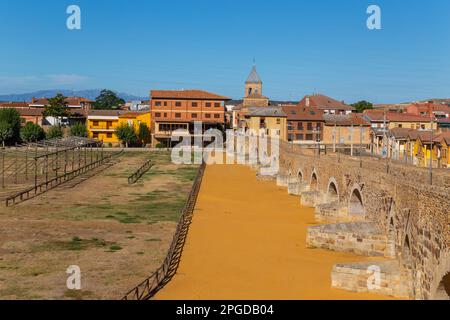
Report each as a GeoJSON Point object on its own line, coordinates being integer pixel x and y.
{"type": "Point", "coordinates": [441, 283]}
{"type": "Point", "coordinates": [300, 175]}
{"type": "Point", "coordinates": [406, 253]}
{"type": "Point", "coordinates": [333, 190]}
{"type": "Point", "coordinates": [356, 202]}
{"type": "Point", "coordinates": [314, 184]}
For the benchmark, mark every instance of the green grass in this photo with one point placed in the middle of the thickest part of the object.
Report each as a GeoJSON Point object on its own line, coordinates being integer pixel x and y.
{"type": "Point", "coordinates": [75, 244]}
{"type": "Point", "coordinates": [78, 294]}
{"type": "Point", "coordinates": [114, 248]}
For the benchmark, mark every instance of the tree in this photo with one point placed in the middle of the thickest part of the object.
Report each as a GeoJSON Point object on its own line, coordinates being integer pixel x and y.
{"type": "Point", "coordinates": [6, 132]}
{"type": "Point", "coordinates": [55, 132]}
{"type": "Point", "coordinates": [32, 132]}
{"type": "Point", "coordinates": [108, 100]}
{"type": "Point", "coordinates": [57, 107]}
{"type": "Point", "coordinates": [10, 126]}
{"type": "Point", "coordinates": [360, 106]}
{"type": "Point", "coordinates": [126, 134]}
{"type": "Point", "coordinates": [144, 133]}
{"type": "Point", "coordinates": [79, 130]}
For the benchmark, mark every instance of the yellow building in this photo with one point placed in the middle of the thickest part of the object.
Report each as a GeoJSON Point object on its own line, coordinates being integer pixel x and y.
{"type": "Point", "coordinates": [102, 124]}
{"type": "Point", "coordinates": [271, 119]}
{"type": "Point", "coordinates": [420, 146]}
{"type": "Point", "coordinates": [442, 149]}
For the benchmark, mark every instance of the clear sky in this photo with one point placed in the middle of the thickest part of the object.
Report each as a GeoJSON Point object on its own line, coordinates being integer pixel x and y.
{"type": "Point", "coordinates": [300, 47]}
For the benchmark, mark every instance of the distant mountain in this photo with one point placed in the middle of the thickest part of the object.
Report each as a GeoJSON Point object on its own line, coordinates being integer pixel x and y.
{"type": "Point", "coordinates": [89, 94]}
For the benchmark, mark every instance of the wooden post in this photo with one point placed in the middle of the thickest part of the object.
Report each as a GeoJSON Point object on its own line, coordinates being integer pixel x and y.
{"type": "Point", "coordinates": [3, 168]}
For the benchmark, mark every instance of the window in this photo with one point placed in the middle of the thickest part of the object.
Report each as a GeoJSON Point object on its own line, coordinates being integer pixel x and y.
{"type": "Point", "coordinates": [217, 116]}
{"type": "Point", "coordinates": [310, 127]}
{"type": "Point", "coordinates": [309, 137]}
{"type": "Point", "coordinates": [157, 103]}
{"type": "Point", "coordinates": [208, 104]}
{"type": "Point", "coordinates": [217, 105]}
{"type": "Point", "coordinates": [300, 126]}
{"type": "Point", "coordinates": [400, 125]}
{"type": "Point", "coordinates": [109, 135]}
{"type": "Point", "coordinates": [95, 135]}
{"type": "Point", "coordinates": [194, 104]}
{"type": "Point", "coordinates": [194, 116]}
{"type": "Point", "coordinates": [157, 114]}
{"type": "Point", "coordinates": [165, 114]}
{"type": "Point", "coordinates": [299, 136]}
{"type": "Point", "coordinates": [178, 104]}
{"type": "Point", "coordinates": [278, 121]}
{"type": "Point", "coordinates": [290, 137]}
{"type": "Point", "coordinates": [165, 103]}
{"type": "Point", "coordinates": [95, 124]}
{"type": "Point", "coordinates": [177, 115]}
{"type": "Point", "coordinates": [208, 116]}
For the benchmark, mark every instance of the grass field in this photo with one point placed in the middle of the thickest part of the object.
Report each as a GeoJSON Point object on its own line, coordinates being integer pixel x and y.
{"type": "Point", "coordinates": [116, 233]}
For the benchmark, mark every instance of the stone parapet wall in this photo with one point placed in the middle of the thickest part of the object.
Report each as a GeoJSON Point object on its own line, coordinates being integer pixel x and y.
{"type": "Point", "coordinates": [411, 213]}
{"type": "Point", "coordinates": [361, 238]}
{"type": "Point", "coordinates": [360, 277]}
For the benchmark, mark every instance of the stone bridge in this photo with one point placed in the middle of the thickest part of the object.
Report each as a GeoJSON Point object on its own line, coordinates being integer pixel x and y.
{"type": "Point", "coordinates": [375, 208]}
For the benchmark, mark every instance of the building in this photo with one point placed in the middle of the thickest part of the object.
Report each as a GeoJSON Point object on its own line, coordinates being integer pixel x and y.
{"type": "Point", "coordinates": [253, 98]}
{"type": "Point", "coordinates": [137, 105]}
{"type": "Point", "coordinates": [379, 119]}
{"type": "Point", "coordinates": [179, 109]}
{"type": "Point", "coordinates": [439, 110]}
{"type": "Point", "coordinates": [397, 141]}
{"type": "Point", "coordinates": [15, 105]}
{"type": "Point", "coordinates": [304, 124]}
{"type": "Point", "coordinates": [102, 124]}
{"type": "Point", "coordinates": [253, 91]}
{"type": "Point", "coordinates": [344, 130]}
{"type": "Point", "coordinates": [442, 149]}
{"type": "Point", "coordinates": [271, 121]}
{"type": "Point", "coordinates": [33, 115]}
{"type": "Point", "coordinates": [326, 104]}
{"type": "Point", "coordinates": [73, 103]}
{"type": "Point", "coordinates": [443, 124]}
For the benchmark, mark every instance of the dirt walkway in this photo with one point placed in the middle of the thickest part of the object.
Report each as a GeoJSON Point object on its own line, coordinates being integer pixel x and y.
{"type": "Point", "coordinates": [248, 241]}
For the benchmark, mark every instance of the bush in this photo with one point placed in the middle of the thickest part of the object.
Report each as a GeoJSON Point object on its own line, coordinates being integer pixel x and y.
{"type": "Point", "coordinates": [79, 130]}
{"type": "Point", "coordinates": [32, 132]}
{"type": "Point", "coordinates": [55, 132]}
{"type": "Point", "coordinates": [9, 126]}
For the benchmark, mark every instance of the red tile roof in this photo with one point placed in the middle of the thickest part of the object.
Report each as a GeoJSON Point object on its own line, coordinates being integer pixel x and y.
{"type": "Point", "coordinates": [186, 94]}
{"type": "Point", "coordinates": [295, 112]}
{"type": "Point", "coordinates": [13, 105]}
{"type": "Point", "coordinates": [378, 115]}
{"type": "Point", "coordinates": [345, 120]}
{"type": "Point", "coordinates": [33, 112]}
{"type": "Point", "coordinates": [325, 103]}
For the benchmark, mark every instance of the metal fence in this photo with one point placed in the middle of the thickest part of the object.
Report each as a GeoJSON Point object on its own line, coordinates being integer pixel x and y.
{"type": "Point", "coordinates": [140, 172]}
{"type": "Point", "coordinates": [150, 286]}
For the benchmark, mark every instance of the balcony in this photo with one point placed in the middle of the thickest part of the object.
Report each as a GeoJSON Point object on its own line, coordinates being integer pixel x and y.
{"type": "Point", "coordinates": [102, 128]}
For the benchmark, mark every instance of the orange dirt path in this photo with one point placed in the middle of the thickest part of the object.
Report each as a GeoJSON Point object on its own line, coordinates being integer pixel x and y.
{"type": "Point", "coordinates": [248, 241]}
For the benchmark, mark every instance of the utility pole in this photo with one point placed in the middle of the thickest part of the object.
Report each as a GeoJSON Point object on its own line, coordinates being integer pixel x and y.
{"type": "Point", "coordinates": [334, 137]}
{"type": "Point", "coordinates": [431, 142]}
{"type": "Point", "coordinates": [351, 140]}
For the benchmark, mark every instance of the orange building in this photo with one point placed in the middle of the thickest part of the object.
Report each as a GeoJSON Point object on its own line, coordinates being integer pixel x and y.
{"type": "Point", "coordinates": [179, 109]}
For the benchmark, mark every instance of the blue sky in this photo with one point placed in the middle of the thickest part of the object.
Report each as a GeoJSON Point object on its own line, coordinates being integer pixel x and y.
{"type": "Point", "coordinates": [300, 47]}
